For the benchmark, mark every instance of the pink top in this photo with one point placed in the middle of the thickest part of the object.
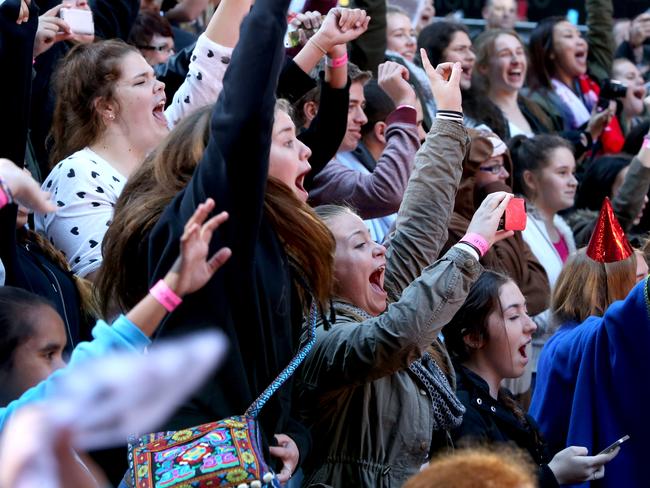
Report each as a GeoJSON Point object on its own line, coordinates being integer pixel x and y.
{"type": "Point", "coordinates": [562, 249]}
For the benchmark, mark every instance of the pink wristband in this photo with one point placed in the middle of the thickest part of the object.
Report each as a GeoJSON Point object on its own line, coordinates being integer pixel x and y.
{"type": "Point", "coordinates": [4, 199]}
{"type": "Point", "coordinates": [5, 194]}
{"type": "Point", "coordinates": [478, 241]}
{"type": "Point", "coordinates": [646, 143]}
{"type": "Point", "coordinates": [337, 62]}
{"type": "Point", "coordinates": [165, 296]}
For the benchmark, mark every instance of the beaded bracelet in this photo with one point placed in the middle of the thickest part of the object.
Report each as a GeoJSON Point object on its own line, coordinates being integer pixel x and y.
{"type": "Point", "coordinates": [165, 296]}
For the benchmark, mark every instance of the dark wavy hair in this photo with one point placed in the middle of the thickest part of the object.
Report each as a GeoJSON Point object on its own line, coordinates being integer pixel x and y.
{"type": "Point", "coordinates": [532, 154]}
{"type": "Point", "coordinates": [17, 310]}
{"type": "Point", "coordinates": [435, 38]}
{"type": "Point", "coordinates": [472, 319]}
{"type": "Point", "coordinates": [122, 280]}
{"type": "Point", "coordinates": [540, 47]}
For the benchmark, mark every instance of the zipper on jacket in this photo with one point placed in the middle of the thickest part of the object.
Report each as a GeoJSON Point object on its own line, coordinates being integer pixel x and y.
{"type": "Point", "coordinates": [59, 294]}
{"type": "Point", "coordinates": [65, 314]}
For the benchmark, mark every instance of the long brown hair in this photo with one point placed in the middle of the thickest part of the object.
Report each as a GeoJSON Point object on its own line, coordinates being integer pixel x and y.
{"type": "Point", "coordinates": [89, 72]}
{"type": "Point", "coordinates": [122, 280]}
{"type": "Point", "coordinates": [586, 287]}
{"type": "Point", "coordinates": [472, 320]}
{"type": "Point", "coordinates": [484, 49]}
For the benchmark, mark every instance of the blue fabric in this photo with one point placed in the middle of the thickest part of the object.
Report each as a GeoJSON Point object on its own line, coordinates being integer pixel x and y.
{"type": "Point", "coordinates": [122, 335]}
{"type": "Point", "coordinates": [592, 387]}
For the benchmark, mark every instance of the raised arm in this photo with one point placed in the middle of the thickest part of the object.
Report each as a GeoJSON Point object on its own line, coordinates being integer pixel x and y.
{"type": "Point", "coordinates": [355, 353]}
{"type": "Point", "coordinates": [423, 218]}
{"type": "Point", "coordinates": [234, 167]}
{"type": "Point", "coordinates": [203, 79]}
{"type": "Point", "coordinates": [379, 193]}
{"type": "Point", "coordinates": [600, 28]}
{"type": "Point", "coordinates": [191, 271]}
{"type": "Point", "coordinates": [628, 201]}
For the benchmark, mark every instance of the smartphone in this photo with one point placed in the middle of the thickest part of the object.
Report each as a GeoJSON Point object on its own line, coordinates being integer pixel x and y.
{"type": "Point", "coordinates": [514, 217]}
{"type": "Point", "coordinates": [80, 21]}
{"type": "Point", "coordinates": [614, 445]}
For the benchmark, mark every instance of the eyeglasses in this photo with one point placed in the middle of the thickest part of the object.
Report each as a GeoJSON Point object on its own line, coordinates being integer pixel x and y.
{"type": "Point", "coordinates": [160, 49]}
{"type": "Point", "coordinates": [495, 170]}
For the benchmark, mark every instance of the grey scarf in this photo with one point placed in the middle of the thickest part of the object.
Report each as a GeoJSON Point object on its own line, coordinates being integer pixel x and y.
{"type": "Point", "coordinates": [446, 408]}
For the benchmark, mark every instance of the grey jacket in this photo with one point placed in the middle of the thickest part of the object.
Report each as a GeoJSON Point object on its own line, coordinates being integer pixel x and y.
{"type": "Point", "coordinates": [371, 418]}
{"type": "Point", "coordinates": [627, 204]}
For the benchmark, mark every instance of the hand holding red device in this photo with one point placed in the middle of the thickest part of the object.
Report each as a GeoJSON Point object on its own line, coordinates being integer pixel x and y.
{"type": "Point", "coordinates": [514, 217]}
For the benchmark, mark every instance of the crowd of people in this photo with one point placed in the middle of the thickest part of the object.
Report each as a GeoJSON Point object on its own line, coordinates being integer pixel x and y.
{"type": "Point", "coordinates": [335, 186]}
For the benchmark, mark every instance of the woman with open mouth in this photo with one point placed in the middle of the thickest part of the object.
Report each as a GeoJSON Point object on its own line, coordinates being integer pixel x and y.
{"type": "Point", "coordinates": [109, 115]}
{"type": "Point", "coordinates": [565, 73]}
{"type": "Point", "coordinates": [375, 390]}
{"type": "Point", "coordinates": [489, 339]}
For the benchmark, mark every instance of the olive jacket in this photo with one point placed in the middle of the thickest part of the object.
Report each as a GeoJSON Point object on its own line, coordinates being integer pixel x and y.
{"type": "Point", "coordinates": [371, 417]}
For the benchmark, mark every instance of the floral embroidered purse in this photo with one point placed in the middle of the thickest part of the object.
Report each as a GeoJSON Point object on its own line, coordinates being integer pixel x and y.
{"type": "Point", "coordinates": [225, 453]}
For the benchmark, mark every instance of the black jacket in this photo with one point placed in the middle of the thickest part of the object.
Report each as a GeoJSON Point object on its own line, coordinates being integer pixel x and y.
{"type": "Point", "coordinates": [326, 131]}
{"type": "Point", "coordinates": [489, 420]}
{"type": "Point", "coordinates": [252, 298]}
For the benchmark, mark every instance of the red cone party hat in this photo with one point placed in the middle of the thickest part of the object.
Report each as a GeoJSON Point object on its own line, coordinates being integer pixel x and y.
{"type": "Point", "coordinates": [608, 242]}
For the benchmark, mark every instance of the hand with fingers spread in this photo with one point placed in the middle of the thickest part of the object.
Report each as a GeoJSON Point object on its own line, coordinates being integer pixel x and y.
{"type": "Point", "coordinates": [24, 189]}
{"type": "Point", "coordinates": [445, 83]}
{"type": "Point", "coordinates": [572, 465]}
{"type": "Point", "coordinates": [287, 452]}
{"type": "Point", "coordinates": [51, 29]}
{"type": "Point", "coordinates": [393, 79]}
{"type": "Point", "coordinates": [341, 25]}
{"type": "Point", "coordinates": [487, 217]}
{"type": "Point", "coordinates": [192, 270]}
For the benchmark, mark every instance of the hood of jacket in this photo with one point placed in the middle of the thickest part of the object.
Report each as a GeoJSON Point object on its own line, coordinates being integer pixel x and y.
{"type": "Point", "coordinates": [469, 197]}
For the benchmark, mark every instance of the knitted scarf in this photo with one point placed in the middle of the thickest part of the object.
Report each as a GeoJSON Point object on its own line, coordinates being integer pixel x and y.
{"type": "Point", "coordinates": [447, 410]}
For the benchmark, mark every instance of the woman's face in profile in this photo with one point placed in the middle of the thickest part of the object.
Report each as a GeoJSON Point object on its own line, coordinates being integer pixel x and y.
{"type": "Point", "coordinates": [359, 264]}
{"type": "Point", "coordinates": [288, 159]}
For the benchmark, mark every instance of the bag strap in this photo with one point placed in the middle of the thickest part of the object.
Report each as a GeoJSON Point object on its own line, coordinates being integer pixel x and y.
{"type": "Point", "coordinates": [256, 406]}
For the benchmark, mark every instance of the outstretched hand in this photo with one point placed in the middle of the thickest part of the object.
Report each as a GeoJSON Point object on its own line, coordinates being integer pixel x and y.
{"type": "Point", "coordinates": [445, 83]}
{"type": "Point", "coordinates": [341, 25]}
{"type": "Point", "coordinates": [487, 217]}
{"type": "Point", "coordinates": [192, 270]}
{"type": "Point", "coordinates": [25, 189]}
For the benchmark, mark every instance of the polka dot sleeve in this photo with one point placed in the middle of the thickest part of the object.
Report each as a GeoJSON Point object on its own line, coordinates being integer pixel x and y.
{"type": "Point", "coordinates": [204, 81]}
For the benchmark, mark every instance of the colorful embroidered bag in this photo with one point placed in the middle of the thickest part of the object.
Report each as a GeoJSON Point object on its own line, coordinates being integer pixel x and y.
{"type": "Point", "coordinates": [225, 453]}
